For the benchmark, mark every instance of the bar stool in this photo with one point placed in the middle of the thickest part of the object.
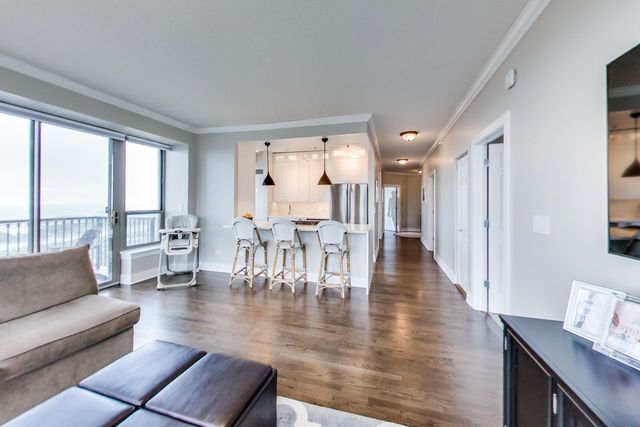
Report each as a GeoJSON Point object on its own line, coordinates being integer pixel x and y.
{"type": "Point", "coordinates": [248, 240]}
{"type": "Point", "coordinates": [334, 240]}
{"type": "Point", "coordinates": [288, 243]}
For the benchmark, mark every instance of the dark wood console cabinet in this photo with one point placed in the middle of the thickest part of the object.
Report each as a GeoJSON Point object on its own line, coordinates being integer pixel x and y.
{"type": "Point", "coordinates": [554, 378]}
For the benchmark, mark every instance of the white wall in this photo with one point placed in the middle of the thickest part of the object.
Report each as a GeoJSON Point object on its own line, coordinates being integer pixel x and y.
{"type": "Point", "coordinates": [558, 154]}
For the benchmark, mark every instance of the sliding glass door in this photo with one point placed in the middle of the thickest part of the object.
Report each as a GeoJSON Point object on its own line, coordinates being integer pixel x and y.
{"type": "Point", "coordinates": [63, 184]}
{"type": "Point", "coordinates": [16, 231]}
{"type": "Point", "coordinates": [76, 194]}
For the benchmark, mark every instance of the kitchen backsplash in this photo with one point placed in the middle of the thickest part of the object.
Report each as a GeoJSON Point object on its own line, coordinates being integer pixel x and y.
{"type": "Point", "coordinates": [300, 209]}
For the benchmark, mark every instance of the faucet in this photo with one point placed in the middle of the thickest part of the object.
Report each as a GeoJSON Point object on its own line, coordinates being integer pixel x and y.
{"type": "Point", "coordinates": [289, 210]}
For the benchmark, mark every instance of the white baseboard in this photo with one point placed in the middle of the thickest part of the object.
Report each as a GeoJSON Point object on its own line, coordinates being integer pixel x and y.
{"type": "Point", "coordinates": [444, 267]}
{"type": "Point", "coordinates": [215, 267]}
{"type": "Point", "coordinates": [425, 244]}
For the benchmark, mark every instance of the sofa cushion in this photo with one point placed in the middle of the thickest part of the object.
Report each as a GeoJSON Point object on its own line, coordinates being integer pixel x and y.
{"type": "Point", "coordinates": [74, 407]}
{"type": "Point", "coordinates": [213, 392]}
{"type": "Point", "coordinates": [139, 375]}
{"type": "Point", "coordinates": [32, 341]}
{"type": "Point", "coordinates": [30, 283]}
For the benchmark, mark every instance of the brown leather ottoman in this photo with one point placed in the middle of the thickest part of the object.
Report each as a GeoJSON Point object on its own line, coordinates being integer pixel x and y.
{"type": "Point", "coordinates": [165, 384]}
{"type": "Point", "coordinates": [221, 390]}
{"type": "Point", "coordinates": [139, 375]}
{"type": "Point", "coordinates": [73, 407]}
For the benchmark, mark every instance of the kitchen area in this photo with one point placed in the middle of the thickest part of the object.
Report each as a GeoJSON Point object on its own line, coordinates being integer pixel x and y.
{"type": "Point", "coordinates": [309, 180]}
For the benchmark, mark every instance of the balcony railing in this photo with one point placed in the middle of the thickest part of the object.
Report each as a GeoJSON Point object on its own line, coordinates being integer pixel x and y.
{"type": "Point", "coordinates": [68, 232]}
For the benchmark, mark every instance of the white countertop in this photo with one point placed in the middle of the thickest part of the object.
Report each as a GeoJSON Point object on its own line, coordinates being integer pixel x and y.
{"type": "Point", "coordinates": [351, 228]}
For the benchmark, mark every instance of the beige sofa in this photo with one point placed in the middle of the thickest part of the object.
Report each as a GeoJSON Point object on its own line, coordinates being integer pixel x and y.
{"type": "Point", "coordinates": [54, 328]}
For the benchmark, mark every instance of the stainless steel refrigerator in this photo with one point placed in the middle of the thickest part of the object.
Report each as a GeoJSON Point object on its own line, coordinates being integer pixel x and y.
{"type": "Point", "coordinates": [349, 203]}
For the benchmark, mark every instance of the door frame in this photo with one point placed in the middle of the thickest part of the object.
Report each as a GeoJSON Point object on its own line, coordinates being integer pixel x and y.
{"type": "Point", "coordinates": [431, 211]}
{"type": "Point", "coordinates": [457, 249]}
{"type": "Point", "coordinates": [478, 203]}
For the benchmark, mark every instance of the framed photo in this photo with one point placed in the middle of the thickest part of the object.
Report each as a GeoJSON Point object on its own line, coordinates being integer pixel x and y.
{"type": "Point", "coordinates": [620, 339]}
{"type": "Point", "coordinates": [588, 309]}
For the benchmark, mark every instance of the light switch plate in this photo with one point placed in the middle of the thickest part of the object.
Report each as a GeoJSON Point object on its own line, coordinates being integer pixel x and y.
{"type": "Point", "coordinates": [541, 224]}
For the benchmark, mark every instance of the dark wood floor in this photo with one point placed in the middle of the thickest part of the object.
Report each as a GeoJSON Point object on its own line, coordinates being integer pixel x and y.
{"type": "Point", "coordinates": [411, 352]}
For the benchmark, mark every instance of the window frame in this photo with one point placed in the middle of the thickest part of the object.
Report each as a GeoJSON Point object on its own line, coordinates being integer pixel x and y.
{"type": "Point", "coordinates": [161, 198]}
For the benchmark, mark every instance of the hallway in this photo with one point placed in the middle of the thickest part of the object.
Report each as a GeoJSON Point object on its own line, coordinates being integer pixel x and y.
{"type": "Point", "coordinates": [411, 352]}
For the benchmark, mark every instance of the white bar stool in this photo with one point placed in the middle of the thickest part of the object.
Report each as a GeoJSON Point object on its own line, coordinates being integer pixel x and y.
{"type": "Point", "coordinates": [248, 240]}
{"type": "Point", "coordinates": [334, 240]}
{"type": "Point", "coordinates": [288, 243]}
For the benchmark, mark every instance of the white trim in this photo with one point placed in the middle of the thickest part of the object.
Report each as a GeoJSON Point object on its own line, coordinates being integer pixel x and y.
{"type": "Point", "coordinates": [444, 267]}
{"type": "Point", "coordinates": [518, 29]}
{"type": "Point", "coordinates": [476, 291]}
{"type": "Point", "coordinates": [57, 80]}
{"type": "Point", "coordinates": [140, 276]}
{"type": "Point", "coordinates": [425, 244]}
{"type": "Point", "coordinates": [141, 252]}
{"type": "Point", "coordinates": [322, 121]}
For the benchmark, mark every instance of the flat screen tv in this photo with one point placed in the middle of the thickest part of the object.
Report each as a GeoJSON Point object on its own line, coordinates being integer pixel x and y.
{"type": "Point", "coordinates": [623, 107]}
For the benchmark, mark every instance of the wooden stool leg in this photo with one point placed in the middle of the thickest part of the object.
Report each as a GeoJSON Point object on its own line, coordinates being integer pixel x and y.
{"type": "Point", "coordinates": [275, 263]}
{"type": "Point", "coordinates": [340, 260]}
{"type": "Point", "coordinates": [304, 264]}
{"type": "Point", "coordinates": [266, 263]}
{"type": "Point", "coordinates": [252, 259]}
{"type": "Point", "coordinates": [349, 267]}
{"type": "Point", "coordinates": [323, 259]}
{"type": "Point", "coordinates": [233, 268]}
{"type": "Point", "coordinates": [293, 269]}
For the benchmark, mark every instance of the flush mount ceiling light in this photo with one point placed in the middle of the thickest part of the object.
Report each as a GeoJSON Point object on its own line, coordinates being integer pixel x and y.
{"type": "Point", "coordinates": [409, 135]}
{"type": "Point", "coordinates": [633, 169]}
{"type": "Point", "coordinates": [402, 161]}
{"type": "Point", "coordinates": [268, 180]}
{"type": "Point", "coordinates": [324, 179]}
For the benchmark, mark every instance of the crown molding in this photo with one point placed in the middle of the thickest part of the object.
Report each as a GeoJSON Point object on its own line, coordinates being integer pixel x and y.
{"type": "Point", "coordinates": [525, 19]}
{"type": "Point", "coordinates": [322, 121]}
{"type": "Point", "coordinates": [57, 80]}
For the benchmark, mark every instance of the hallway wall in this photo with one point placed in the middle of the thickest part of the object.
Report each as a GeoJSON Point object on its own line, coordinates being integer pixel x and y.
{"type": "Point", "coordinates": [558, 154]}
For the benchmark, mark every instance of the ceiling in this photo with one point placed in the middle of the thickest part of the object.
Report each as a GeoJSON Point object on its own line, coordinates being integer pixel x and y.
{"type": "Point", "coordinates": [217, 63]}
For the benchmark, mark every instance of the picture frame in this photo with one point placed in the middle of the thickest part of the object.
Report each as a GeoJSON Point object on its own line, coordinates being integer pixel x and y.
{"type": "Point", "coordinates": [620, 339]}
{"type": "Point", "coordinates": [588, 309]}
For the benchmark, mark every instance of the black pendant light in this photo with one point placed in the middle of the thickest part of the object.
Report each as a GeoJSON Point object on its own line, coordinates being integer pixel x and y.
{"type": "Point", "coordinates": [324, 179]}
{"type": "Point", "coordinates": [633, 169]}
{"type": "Point", "coordinates": [268, 180]}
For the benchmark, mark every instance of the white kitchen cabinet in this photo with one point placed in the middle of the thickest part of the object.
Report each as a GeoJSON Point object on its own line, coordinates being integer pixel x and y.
{"type": "Point", "coordinates": [344, 169]}
{"type": "Point", "coordinates": [297, 174]}
{"type": "Point", "coordinates": [286, 177]}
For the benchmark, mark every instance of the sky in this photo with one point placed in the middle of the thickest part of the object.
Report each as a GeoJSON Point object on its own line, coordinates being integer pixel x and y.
{"type": "Point", "coordinates": [75, 172]}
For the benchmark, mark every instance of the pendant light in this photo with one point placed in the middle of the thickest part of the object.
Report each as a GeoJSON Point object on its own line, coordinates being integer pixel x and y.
{"type": "Point", "coordinates": [268, 180]}
{"type": "Point", "coordinates": [633, 169]}
{"type": "Point", "coordinates": [324, 179]}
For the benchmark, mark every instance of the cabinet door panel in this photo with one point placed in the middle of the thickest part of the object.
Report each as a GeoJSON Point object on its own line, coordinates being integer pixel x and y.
{"type": "Point", "coordinates": [571, 414]}
{"type": "Point", "coordinates": [303, 178]}
{"type": "Point", "coordinates": [533, 391]}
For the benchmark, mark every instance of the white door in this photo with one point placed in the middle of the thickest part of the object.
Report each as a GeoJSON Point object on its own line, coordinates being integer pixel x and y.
{"type": "Point", "coordinates": [391, 198]}
{"type": "Point", "coordinates": [462, 229]}
{"type": "Point", "coordinates": [495, 229]}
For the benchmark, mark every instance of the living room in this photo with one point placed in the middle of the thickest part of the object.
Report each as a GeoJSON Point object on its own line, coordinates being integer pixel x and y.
{"type": "Point", "coordinates": [193, 215]}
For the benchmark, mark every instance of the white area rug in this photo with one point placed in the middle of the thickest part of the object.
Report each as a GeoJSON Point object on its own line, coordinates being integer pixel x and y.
{"type": "Point", "coordinates": [293, 413]}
